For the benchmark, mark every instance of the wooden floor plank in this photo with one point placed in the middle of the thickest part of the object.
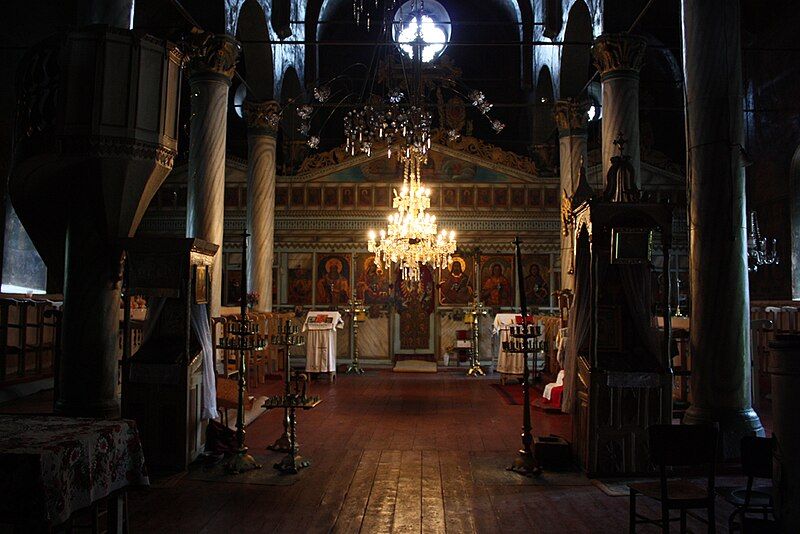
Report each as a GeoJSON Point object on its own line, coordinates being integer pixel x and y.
{"type": "Point", "coordinates": [432, 500]}
{"type": "Point", "coordinates": [408, 510]}
{"type": "Point", "coordinates": [379, 515]}
{"type": "Point", "coordinates": [457, 492]}
{"type": "Point", "coordinates": [355, 502]}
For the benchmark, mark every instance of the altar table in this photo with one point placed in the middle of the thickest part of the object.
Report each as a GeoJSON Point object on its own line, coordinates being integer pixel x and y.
{"type": "Point", "coordinates": [321, 341]}
{"type": "Point", "coordinates": [511, 364]}
{"type": "Point", "coordinates": [53, 466]}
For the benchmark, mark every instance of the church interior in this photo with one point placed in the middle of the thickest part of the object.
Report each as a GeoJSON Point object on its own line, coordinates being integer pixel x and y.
{"type": "Point", "coordinates": [400, 266]}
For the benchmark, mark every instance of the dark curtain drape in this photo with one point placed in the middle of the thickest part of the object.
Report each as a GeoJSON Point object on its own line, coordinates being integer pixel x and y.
{"type": "Point", "coordinates": [635, 281]}
{"type": "Point", "coordinates": [578, 321]}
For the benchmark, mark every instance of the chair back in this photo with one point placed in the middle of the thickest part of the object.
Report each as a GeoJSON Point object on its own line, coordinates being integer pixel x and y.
{"type": "Point", "coordinates": [757, 456]}
{"type": "Point", "coordinates": [683, 445]}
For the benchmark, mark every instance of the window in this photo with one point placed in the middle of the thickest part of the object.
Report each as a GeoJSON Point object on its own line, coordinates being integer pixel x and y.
{"type": "Point", "coordinates": [426, 21]}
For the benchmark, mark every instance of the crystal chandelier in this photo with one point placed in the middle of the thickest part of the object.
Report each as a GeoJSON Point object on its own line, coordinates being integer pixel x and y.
{"type": "Point", "coordinates": [412, 238]}
{"type": "Point", "coordinates": [393, 109]}
{"type": "Point", "coordinates": [760, 250]}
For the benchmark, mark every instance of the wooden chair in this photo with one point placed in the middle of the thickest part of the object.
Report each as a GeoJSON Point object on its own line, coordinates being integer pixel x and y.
{"type": "Point", "coordinates": [756, 463]}
{"type": "Point", "coordinates": [693, 446]}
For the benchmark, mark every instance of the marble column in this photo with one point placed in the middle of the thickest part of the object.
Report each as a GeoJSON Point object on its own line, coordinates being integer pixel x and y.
{"type": "Point", "coordinates": [720, 328]}
{"type": "Point", "coordinates": [618, 58]}
{"type": "Point", "coordinates": [262, 120]}
{"type": "Point", "coordinates": [212, 62]}
{"type": "Point", "coordinates": [571, 120]}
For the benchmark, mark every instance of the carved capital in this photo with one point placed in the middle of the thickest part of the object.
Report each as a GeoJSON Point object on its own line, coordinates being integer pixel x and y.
{"type": "Point", "coordinates": [210, 54]}
{"type": "Point", "coordinates": [262, 117]}
{"type": "Point", "coordinates": [616, 52]}
{"type": "Point", "coordinates": [571, 115]}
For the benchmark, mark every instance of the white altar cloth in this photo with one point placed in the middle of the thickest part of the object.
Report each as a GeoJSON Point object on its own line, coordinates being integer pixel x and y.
{"type": "Point", "coordinates": [321, 341]}
{"type": "Point", "coordinates": [510, 363]}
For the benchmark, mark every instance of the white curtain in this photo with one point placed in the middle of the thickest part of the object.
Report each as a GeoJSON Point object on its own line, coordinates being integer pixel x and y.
{"type": "Point", "coordinates": [202, 329]}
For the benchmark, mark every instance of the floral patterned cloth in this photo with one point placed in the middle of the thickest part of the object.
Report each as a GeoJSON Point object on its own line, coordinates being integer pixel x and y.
{"type": "Point", "coordinates": [53, 466]}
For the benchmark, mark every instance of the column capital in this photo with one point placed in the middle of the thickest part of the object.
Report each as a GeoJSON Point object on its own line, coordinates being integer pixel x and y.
{"type": "Point", "coordinates": [212, 55]}
{"type": "Point", "coordinates": [571, 116]}
{"type": "Point", "coordinates": [615, 52]}
{"type": "Point", "coordinates": [262, 117]}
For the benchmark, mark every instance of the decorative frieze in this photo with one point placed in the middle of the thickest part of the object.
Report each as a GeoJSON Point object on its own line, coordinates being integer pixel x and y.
{"type": "Point", "coordinates": [616, 52]}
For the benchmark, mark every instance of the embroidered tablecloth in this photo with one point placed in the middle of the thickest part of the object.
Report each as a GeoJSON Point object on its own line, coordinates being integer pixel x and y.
{"type": "Point", "coordinates": [53, 466]}
{"type": "Point", "coordinates": [321, 340]}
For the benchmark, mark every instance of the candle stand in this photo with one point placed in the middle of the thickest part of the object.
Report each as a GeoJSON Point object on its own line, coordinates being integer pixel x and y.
{"type": "Point", "coordinates": [243, 339]}
{"type": "Point", "coordinates": [522, 340]}
{"type": "Point", "coordinates": [477, 311]}
{"type": "Point", "coordinates": [357, 313]}
{"type": "Point", "coordinates": [288, 336]}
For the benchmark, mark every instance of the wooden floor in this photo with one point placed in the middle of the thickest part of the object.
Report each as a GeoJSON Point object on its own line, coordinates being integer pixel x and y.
{"type": "Point", "coordinates": [393, 453]}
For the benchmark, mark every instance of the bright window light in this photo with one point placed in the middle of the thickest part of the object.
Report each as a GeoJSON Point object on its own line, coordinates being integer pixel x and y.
{"type": "Point", "coordinates": [432, 25]}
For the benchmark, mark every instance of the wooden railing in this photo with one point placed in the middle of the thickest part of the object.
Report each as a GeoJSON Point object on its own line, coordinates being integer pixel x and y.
{"type": "Point", "coordinates": [29, 339]}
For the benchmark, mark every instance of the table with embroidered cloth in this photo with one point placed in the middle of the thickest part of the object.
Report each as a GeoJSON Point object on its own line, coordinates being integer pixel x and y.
{"type": "Point", "coordinates": [321, 329]}
{"type": "Point", "coordinates": [53, 466]}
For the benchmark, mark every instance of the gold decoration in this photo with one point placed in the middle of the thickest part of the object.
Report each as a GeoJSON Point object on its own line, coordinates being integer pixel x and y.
{"type": "Point", "coordinates": [466, 145]}
{"type": "Point", "coordinates": [487, 151]}
{"type": "Point", "coordinates": [262, 116]}
{"type": "Point", "coordinates": [616, 51]}
{"type": "Point", "coordinates": [571, 115]}
{"type": "Point", "coordinates": [212, 54]}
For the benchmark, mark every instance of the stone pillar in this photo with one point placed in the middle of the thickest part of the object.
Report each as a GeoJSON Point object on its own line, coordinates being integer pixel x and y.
{"type": "Point", "coordinates": [262, 121]}
{"type": "Point", "coordinates": [570, 117]}
{"type": "Point", "coordinates": [618, 58]}
{"type": "Point", "coordinates": [90, 327]}
{"type": "Point", "coordinates": [720, 322]}
{"type": "Point", "coordinates": [212, 62]}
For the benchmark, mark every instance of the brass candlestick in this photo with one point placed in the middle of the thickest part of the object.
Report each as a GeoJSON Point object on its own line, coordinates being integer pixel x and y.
{"type": "Point", "coordinates": [242, 461]}
{"type": "Point", "coordinates": [522, 339]}
{"type": "Point", "coordinates": [477, 311]}
{"type": "Point", "coordinates": [288, 336]}
{"type": "Point", "coordinates": [356, 310]}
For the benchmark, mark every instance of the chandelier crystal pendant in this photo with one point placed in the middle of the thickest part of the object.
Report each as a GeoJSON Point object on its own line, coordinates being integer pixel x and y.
{"type": "Point", "coordinates": [412, 238]}
{"type": "Point", "coordinates": [760, 250]}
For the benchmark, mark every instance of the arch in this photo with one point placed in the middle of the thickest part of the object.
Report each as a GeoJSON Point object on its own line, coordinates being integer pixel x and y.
{"type": "Point", "coordinates": [794, 216]}
{"type": "Point", "coordinates": [575, 58]}
{"type": "Point", "coordinates": [291, 142]}
{"type": "Point", "coordinates": [543, 123]}
{"type": "Point", "coordinates": [256, 53]}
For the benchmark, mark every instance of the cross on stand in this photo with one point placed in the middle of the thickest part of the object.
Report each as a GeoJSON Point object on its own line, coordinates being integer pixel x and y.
{"type": "Point", "coordinates": [476, 311]}
{"type": "Point", "coordinates": [356, 310]}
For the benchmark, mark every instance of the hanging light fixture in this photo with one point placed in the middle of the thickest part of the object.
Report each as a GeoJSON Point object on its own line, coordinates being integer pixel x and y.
{"type": "Point", "coordinates": [412, 238]}
{"type": "Point", "coordinates": [760, 250]}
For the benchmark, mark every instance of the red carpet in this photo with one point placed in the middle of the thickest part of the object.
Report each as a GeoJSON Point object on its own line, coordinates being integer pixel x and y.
{"type": "Point", "coordinates": [512, 395]}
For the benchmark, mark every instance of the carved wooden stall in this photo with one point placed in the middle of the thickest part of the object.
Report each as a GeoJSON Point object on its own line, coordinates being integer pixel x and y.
{"type": "Point", "coordinates": [162, 383]}
{"type": "Point", "coordinates": [624, 376]}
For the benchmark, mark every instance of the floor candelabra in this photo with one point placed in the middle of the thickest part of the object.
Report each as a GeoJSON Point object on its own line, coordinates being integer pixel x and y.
{"type": "Point", "coordinates": [522, 340]}
{"type": "Point", "coordinates": [244, 340]}
{"type": "Point", "coordinates": [357, 313]}
{"type": "Point", "coordinates": [477, 311]}
{"type": "Point", "coordinates": [288, 336]}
